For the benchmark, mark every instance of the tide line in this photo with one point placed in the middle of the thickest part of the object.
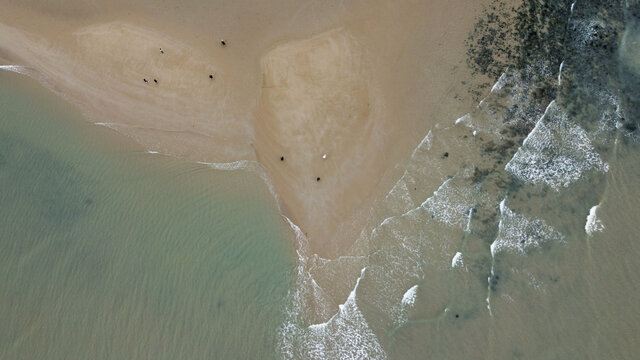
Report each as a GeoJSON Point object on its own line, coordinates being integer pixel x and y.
{"type": "Point", "coordinates": [22, 70]}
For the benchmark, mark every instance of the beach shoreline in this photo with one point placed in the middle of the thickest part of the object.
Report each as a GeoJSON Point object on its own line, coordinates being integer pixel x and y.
{"type": "Point", "coordinates": [328, 107]}
{"type": "Point", "coordinates": [319, 180]}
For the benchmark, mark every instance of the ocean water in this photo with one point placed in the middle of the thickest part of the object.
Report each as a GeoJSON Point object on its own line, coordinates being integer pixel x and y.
{"type": "Point", "coordinates": [512, 233]}
{"type": "Point", "coordinates": [108, 252]}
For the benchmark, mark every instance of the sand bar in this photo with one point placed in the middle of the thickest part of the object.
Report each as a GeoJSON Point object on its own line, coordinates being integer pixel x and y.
{"type": "Point", "coordinates": [342, 91]}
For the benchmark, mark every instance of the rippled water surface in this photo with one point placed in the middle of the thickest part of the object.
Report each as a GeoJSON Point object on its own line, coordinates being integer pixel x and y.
{"type": "Point", "coordinates": [512, 232]}
{"type": "Point", "coordinates": [107, 252]}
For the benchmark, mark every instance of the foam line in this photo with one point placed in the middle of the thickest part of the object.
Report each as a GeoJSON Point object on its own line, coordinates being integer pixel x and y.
{"type": "Point", "coordinates": [109, 125]}
{"type": "Point", "coordinates": [426, 141]}
{"type": "Point", "coordinates": [457, 260]}
{"type": "Point", "coordinates": [232, 166]}
{"type": "Point", "coordinates": [15, 68]}
{"type": "Point", "coordinates": [409, 297]}
{"type": "Point", "coordinates": [350, 298]}
{"type": "Point", "coordinates": [500, 83]}
{"type": "Point", "coordinates": [556, 152]}
{"type": "Point", "coordinates": [593, 223]}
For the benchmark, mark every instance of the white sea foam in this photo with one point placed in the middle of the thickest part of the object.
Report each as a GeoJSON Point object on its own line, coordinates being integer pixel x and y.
{"type": "Point", "coordinates": [467, 228]}
{"type": "Point", "coordinates": [450, 203]}
{"type": "Point", "coordinates": [560, 73]}
{"type": "Point", "coordinates": [401, 311]}
{"type": "Point", "coordinates": [23, 70]}
{"type": "Point", "coordinates": [112, 126]}
{"type": "Point", "coordinates": [234, 165]}
{"type": "Point", "coordinates": [302, 241]}
{"type": "Point", "coordinates": [464, 119]}
{"type": "Point", "coordinates": [593, 223]}
{"type": "Point", "coordinates": [457, 260]}
{"type": "Point", "coordinates": [556, 152]}
{"type": "Point", "coordinates": [345, 336]}
{"type": "Point", "coordinates": [406, 241]}
{"type": "Point", "coordinates": [400, 248]}
{"type": "Point", "coordinates": [520, 234]}
{"type": "Point", "coordinates": [502, 80]}
{"type": "Point", "coordinates": [492, 120]}
{"type": "Point", "coordinates": [399, 199]}
{"type": "Point", "coordinates": [409, 297]}
{"type": "Point", "coordinates": [401, 244]}
{"type": "Point", "coordinates": [425, 144]}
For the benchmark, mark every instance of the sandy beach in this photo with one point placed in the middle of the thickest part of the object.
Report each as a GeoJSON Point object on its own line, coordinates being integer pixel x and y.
{"type": "Point", "coordinates": [294, 179]}
{"type": "Point", "coordinates": [328, 98]}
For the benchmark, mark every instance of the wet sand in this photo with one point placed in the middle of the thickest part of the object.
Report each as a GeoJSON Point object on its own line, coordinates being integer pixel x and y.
{"type": "Point", "coordinates": [361, 82]}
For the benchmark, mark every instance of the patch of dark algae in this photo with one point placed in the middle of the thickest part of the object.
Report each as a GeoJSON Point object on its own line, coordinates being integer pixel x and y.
{"type": "Point", "coordinates": [532, 40]}
{"type": "Point", "coordinates": [530, 36]}
{"type": "Point", "coordinates": [529, 40]}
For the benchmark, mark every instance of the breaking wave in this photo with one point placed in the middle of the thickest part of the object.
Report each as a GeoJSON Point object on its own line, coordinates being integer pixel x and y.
{"type": "Point", "coordinates": [520, 234]}
{"type": "Point", "coordinates": [470, 219]}
{"type": "Point", "coordinates": [557, 152]}
{"type": "Point", "coordinates": [593, 223]}
{"type": "Point", "coordinates": [23, 70]}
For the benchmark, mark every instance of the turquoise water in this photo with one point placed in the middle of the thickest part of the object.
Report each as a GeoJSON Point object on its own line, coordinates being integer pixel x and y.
{"type": "Point", "coordinates": [107, 252]}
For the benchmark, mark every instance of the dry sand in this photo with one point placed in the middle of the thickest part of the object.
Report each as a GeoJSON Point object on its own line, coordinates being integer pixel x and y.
{"type": "Point", "coordinates": [361, 82]}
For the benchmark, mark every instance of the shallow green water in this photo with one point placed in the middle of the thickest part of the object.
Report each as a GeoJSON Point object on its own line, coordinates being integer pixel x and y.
{"type": "Point", "coordinates": [107, 252]}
